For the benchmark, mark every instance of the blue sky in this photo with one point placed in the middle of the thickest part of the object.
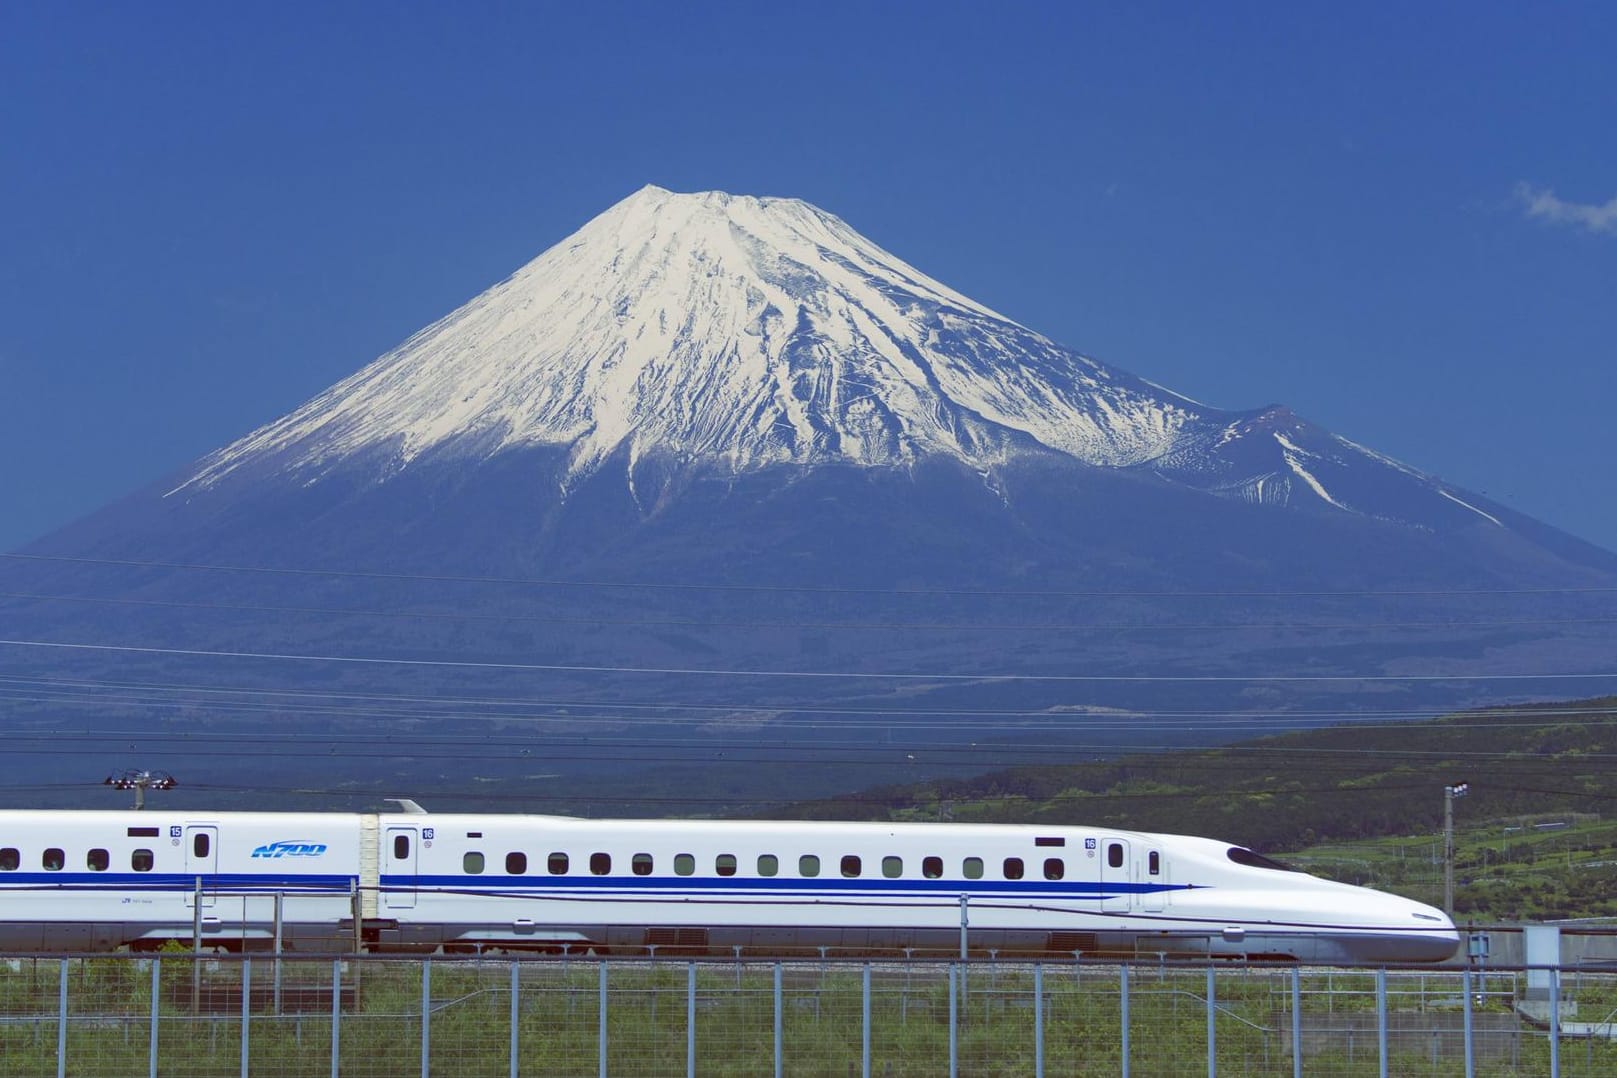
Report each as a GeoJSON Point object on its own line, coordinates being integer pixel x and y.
{"type": "Point", "coordinates": [1400, 220]}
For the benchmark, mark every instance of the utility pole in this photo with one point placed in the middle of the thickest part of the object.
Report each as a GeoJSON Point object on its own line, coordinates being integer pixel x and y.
{"type": "Point", "coordinates": [140, 782]}
{"type": "Point", "coordinates": [1458, 789]}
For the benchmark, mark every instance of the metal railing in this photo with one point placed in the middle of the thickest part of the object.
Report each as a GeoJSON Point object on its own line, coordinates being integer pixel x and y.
{"type": "Point", "coordinates": [182, 1014]}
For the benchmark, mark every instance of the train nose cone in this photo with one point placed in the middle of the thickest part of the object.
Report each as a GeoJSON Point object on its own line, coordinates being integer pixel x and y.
{"type": "Point", "coordinates": [1433, 937]}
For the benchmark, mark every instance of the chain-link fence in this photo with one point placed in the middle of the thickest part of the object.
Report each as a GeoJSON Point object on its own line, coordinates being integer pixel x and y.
{"type": "Point", "coordinates": [181, 1015]}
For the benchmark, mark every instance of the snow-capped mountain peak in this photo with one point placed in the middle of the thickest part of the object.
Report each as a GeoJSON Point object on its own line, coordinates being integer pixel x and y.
{"type": "Point", "coordinates": [724, 329]}
{"type": "Point", "coordinates": [731, 334]}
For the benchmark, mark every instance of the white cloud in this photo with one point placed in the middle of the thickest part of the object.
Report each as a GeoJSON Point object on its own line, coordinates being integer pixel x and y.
{"type": "Point", "coordinates": [1543, 204]}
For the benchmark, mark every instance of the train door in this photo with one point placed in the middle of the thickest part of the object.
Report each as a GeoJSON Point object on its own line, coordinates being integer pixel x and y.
{"type": "Point", "coordinates": [202, 861]}
{"type": "Point", "coordinates": [1154, 896]}
{"type": "Point", "coordinates": [1114, 876]}
{"type": "Point", "coordinates": [400, 857]}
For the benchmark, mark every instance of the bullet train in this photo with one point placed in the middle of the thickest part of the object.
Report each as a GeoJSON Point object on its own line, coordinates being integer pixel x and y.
{"type": "Point", "coordinates": [416, 881]}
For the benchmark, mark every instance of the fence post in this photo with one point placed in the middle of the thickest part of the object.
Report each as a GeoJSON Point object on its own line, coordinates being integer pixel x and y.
{"type": "Point", "coordinates": [600, 1021]}
{"type": "Point", "coordinates": [1470, 1060]}
{"type": "Point", "coordinates": [426, 1018]}
{"type": "Point", "coordinates": [61, 1020]}
{"type": "Point", "coordinates": [1123, 1006]}
{"type": "Point", "coordinates": [516, 1013]}
{"type": "Point", "coordinates": [1038, 1020]}
{"type": "Point", "coordinates": [865, 1006]}
{"type": "Point", "coordinates": [778, 1025]}
{"type": "Point", "coordinates": [1381, 1020]}
{"type": "Point", "coordinates": [1212, 1027]}
{"type": "Point", "coordinates": [954, 1022]}
{"type": "Point", "coordinates": [336, 1016]}
{"type": "Point", "coordinates": [157, 998]}
{"type": "Point", "coordinates": [1554, 1022]}
{"type": "Point", "coordinates": [1296, 1024]}
{"type": "Point", "coordinates": [246, 1008]}
{"type": "Point", "coordinates": [690, 1020]}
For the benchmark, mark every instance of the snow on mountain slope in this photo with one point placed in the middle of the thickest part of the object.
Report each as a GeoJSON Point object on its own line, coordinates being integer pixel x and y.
{"type": "Point", "coordinates": [740, 330]}
{"type": "Point", "coordinates": [740, 333]}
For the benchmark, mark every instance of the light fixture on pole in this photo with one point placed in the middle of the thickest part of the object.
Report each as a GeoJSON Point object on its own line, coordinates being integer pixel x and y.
{"type": "Point", "coordinates": [1458, 789]}
{"type": "Point", "coordinates": [140, 782]}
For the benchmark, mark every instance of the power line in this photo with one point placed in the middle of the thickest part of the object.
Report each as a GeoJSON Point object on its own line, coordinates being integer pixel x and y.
{"type": "Point", "coordinates": [569, 668]}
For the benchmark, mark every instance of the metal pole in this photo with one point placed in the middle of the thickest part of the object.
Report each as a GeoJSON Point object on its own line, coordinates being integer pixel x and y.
{"type": "Point", "coordinates": [1458, 789]}
{"type": "Point", "coordinates": [359, 926]}
{"type": "Point", "coordinates": [516, 1013]}
{"type": "Point", "coordinates": [600, 1022]}
{"type": "Point", "coordinates": [1296, 1024]}
{"type": "Point", "coordinates": [279, 937]}
{"type": "Point", "coordinates": [426, 1018]}
{"type": "Point", "coordinates": [1123, 1004]}
{"type": "Point", "coordinates": [1470, 1060]}
{"type": "Point", "coordinates": [1381, 1019]}
{"type": "Point", "coordinates": [1038, 1021]}
{"type": "Point", "coordinates": [61, 1021]}
{"type": "Point", "coordinates": [1212, 1030]}
{"type": "Point", "coordinates": [1448, 850]}
{"type": "Point", "coordinates": [965, 921]}
{"type": "Point", "coordinates": [779, 1073]}
{"type": "Point", "coordinates": [1554, 1022]}
{"type": "Point", "coordinates": [690, 1020]}
{"type": "Point", "coordinates": [954, 1020]}
{"type": "Point", "coordinates": [865, 1053]}
{"type": "Point", "coordinates": [157, 996]}
{"type": "Point", "coordinates": [246, 1008]}
{"type": "Point", "coordinates": [336, 1016]}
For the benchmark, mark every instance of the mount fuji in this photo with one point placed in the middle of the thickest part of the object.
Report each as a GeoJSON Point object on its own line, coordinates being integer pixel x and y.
{"type": "Point", "coordinates": [740, 334]}
{"type": "Point", "coordinates": [729, 444]}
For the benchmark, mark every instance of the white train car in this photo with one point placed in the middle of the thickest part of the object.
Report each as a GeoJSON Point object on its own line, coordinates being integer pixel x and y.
{"type": "Point", "coordinates": [415, 881]}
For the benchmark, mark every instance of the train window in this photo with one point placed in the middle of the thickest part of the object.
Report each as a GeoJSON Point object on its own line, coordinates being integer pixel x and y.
{"type": "Point", "coordinates": [808, 865]}
{"type": "Point", "coordinates": [472, 863]}
{"type": "Point", "coordinates": [401, 847]}
{"type": "Point", "coordinates": [53, 859]}
{"type": "Point", "coordinates": [1114, 854]}
{"type": "Point", "coordinates": [768, 864]}
{"type": "Point", "coordinates": [1256, 860]}
{"type": "Point", "coordinates": [141, 860]}
{"type": "Point", "coordinates": [892, 867]}
{"type": "Point", "coordinates": [557, 864]}
{"type": "Point", "coordinates": [640, 864]}
{"type": "Point", "coordinates": [972, 868]}
{"type": "Point", "coordinates": [200, 844]}
{"type": "Point", "coordinates": [1013, 868]}
{"type": "Point", "coordinates": [600, 864]}
{"type": "Point", "coordinates": [851, 866]}
{"type": "Point", "coordinates": [98, 860]}
{"type": "Point", "coordinates": [516, 864]}
{"type": "Point", "coordinates": [1053, 868]}
{"type": "Point", "coordinates": [1153, 861]}
{"type": "Point", "coordinates": [932, 867]}
{"type": "Point", "coordinates": [725, 864]}
{"type": "Point", "coordinates": [684, 864]}
{"type": "Point", "coordinates": [10, 859]}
